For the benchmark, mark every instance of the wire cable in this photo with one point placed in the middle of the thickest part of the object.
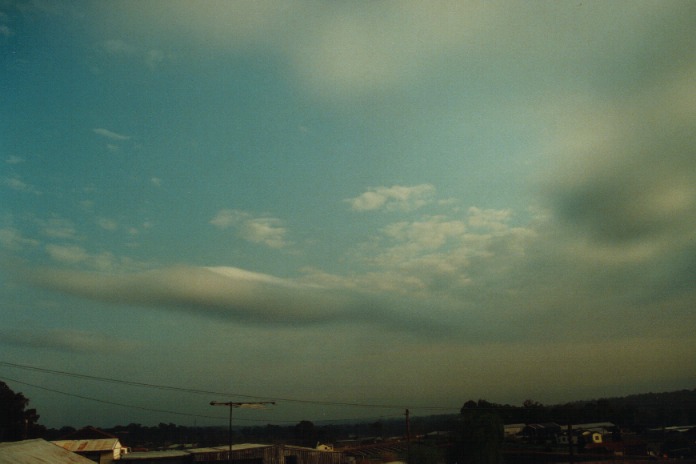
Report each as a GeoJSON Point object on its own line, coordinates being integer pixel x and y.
{"type": "Point", "coordinates": [113, 403]}
{"type": "Point", "coordinates": [209, 392]}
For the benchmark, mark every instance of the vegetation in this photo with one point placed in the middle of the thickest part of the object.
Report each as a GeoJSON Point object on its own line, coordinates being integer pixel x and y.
{"type": "Point", "coordinates": [16, 421]}
{"type": "Point", "coordinates": [477, 430]}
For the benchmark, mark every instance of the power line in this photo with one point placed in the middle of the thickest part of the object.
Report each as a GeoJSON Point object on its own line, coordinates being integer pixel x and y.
{"type": "Point", "coordinates": [113, 403]}
{"type": "Point", "coordinates": [208, 392]}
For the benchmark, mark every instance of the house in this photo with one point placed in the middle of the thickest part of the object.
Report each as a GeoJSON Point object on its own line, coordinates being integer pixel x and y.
{"type": "Point", "coordinates": [598, 432]}
{"type": "Point", "coordinates": [512, 431]}
{"type": "Point", "coordinates": [38, 451]}
{"type": "Point", "coordinates": [541, 433]}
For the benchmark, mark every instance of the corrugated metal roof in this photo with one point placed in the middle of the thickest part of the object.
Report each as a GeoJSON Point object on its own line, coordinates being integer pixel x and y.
{"type": "Point", "coordinates": [142, 455]}
{"type": "Point", "coordinates": [237, 447]}
{"type": "Point", "coordinates": [101, 444]}
{"type": "Point", "coordinates": [38, 452]}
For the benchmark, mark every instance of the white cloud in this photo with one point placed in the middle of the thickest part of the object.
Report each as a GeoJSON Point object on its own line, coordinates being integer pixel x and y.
{"type": "Point", "coordinates": [57, 227]}
{"type": "Point", "coordinates": [489, 218]}
{"type": "Point", "coordinates": [393, 198]}
{"type": "Point", "coordinates": [15, 183]}
{"type": "Point", "coordinates": [107, 224]}
{"type": "Point", "coordinates": [437, 251]}
{"type": "Point", "coordinates": [73, 255]}
{"type": "Point", "coordinates": [268, 231]}
{"type": "Point", "coordinates": [430, 233]}
{"type": "Point", "coordinates": [118, 47]}
{"type": "Point", "coordinates": [67, 254]}
{"type": "Point", "coordinates": [14, 159]}
{"type": "Point", "coordinates": [110, 135]}
{"type": "Point", "coordinates": [228, 217]}
{"type": "Point", "coordinates": [12, 239]}
{"type": "Point", "coordinates": [151, 57]}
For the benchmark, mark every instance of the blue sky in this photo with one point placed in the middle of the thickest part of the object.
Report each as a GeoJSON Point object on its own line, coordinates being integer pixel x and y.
{"type": "Point", "coordinates": [396, 203]}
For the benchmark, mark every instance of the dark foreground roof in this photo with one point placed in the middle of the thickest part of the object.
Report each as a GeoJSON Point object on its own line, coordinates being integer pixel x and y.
{"type": "Point", "coordinates": [38, 452]}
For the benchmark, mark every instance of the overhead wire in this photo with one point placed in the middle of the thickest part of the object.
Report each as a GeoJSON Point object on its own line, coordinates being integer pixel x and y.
{"type": "Point", "coordinates": [210, 392]}
{"type": "Point", "coordinates": [113, 403]}
{"type": "Point", "coordinates": [192, 391]}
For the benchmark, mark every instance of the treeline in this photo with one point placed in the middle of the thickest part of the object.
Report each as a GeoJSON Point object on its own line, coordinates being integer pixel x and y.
{"type": "Point", "coordinates": [635, 412]}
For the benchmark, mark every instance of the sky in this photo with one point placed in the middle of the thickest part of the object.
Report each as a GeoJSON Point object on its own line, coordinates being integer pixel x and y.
{"type": "Point", "coordinates": [349, 208]}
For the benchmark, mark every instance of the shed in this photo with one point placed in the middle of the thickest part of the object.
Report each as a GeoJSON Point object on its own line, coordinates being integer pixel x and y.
{"type": "Point", "coordinates": [101, 450]}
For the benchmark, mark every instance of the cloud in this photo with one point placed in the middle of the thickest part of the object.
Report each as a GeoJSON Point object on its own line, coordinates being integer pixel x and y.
{"type": "Point", "coordinates": [151, 57]}
{"type": "Point", "coordinates": [110, 135]}
{"type": "Point", "coordinates": [234, 295]}
{"type": "Point", "coordinates": [71, 254]}
{"type": "Point", "coordinates": [625, 177]}
{"type": "Point", "coordinates": [341, 52]}
{"type": "Point", "coordinates": [429, 234]}
{"type": "Point", "coordinates": [57, 227]}
{"type": "Point", "coordinates": [67, 340]}
{"type": "Point", "coordinates": [14, 159]}
{"type": "Point", "coordinates": [154, 58]}
{"type": "Point", "coordinates": [107, 224]}
{"type": "Point", "coordinates": [268, 231]}
{"type": "Point", "coordinates": [440, 257]}
{"type": "Point", "coordinates": [12, 239]}
{"type": "Point", "coordinates": [118, 47]}
{"type": "Point", "coordinates": [15, 183]}
{"type": "Point", "coordinates": [393, 198]}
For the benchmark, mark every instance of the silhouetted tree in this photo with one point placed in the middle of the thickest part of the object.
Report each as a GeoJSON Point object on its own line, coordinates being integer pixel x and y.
{"type": "Point", "coordinates": [305, 434]}
{"type": "Point", "coordinates": [16, 421]}
{"type": "Point", "coordinates": [479, 435]}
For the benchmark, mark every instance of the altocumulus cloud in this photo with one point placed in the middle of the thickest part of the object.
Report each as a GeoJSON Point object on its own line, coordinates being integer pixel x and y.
{"type": "Point", "coordinates": [396, 197]}
{"type": "Point", "coordinates": [110, 134]}
{"type": "Point", "coordinates": [263, 230]}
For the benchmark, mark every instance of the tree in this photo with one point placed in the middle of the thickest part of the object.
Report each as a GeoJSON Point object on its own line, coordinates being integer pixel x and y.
{"type": "Point", "coordinates": [479, 434]}
{"type": "Point", "coordinates": [16, 421]}
{"type": "Point", "coordinates": [305, 433]}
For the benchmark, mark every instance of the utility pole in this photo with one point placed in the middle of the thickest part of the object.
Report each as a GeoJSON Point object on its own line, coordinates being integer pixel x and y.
{"type": "Point", "coordinates": [232, 405]}
{"type": "Point", "coordinates": [408, 436]}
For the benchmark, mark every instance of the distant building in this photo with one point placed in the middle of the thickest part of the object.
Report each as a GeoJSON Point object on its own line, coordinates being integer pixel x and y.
{"type": "Point", "coordinates": [512, 431]}
{"type": "Point", "coordinates": [545, 433]}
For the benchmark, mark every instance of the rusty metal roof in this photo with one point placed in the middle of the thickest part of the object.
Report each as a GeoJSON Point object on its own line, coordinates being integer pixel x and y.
{"type": "Point", "coordinates": [77, 446]}
{"type": "Point", "coordinates": [38, 452]}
